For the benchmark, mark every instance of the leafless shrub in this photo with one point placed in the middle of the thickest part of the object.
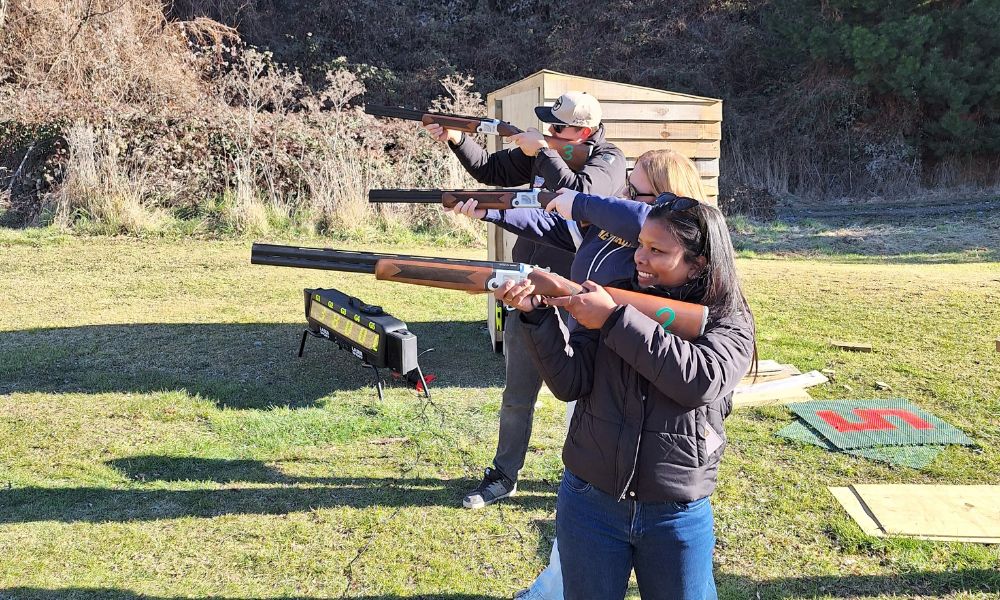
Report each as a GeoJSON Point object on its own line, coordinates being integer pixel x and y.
{"type": "Point", "coordinates": [181, 120]}
{"type": "Point", "coordinates": [893, 166]}
{"type": "Point", "coordinates": [95, 57]}
{"type": "Point", "coordinates": [101, 188]}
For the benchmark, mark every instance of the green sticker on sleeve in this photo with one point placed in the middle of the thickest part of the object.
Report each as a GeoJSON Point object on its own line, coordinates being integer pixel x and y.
{"type": "Point", "coordinates": [671, 315]}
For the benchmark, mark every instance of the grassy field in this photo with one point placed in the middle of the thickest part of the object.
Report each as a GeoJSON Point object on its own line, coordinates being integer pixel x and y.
{"type": "Point", "coordinates": [160, 439]}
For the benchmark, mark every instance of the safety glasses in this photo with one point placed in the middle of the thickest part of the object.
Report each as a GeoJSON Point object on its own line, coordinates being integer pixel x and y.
{"type": "Point", "coordinates": [672, 202]}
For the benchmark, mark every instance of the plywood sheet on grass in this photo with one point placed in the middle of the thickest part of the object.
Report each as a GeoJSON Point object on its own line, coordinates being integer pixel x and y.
{"type": "Point", "coordinates": [785, 372]}
{"type": "Point", "coordinates": [769, 366]}
{"type": "Point", "coordinates": [936, 510]}
{"type": "Point", "coordinates": [785, 396]}
{"type": "Point", "coordinates": [797, 381]}
{"type": "Point", "coordinates": [927, 512]}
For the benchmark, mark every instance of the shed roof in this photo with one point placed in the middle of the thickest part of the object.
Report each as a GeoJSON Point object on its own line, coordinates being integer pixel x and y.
{"type": "Point", "coordinates": [604, 90]}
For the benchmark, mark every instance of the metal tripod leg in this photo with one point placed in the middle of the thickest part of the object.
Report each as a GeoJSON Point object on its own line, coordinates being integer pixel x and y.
{"type": "Point", "coordinates": [378, 380]}
{"type": "Point", "coordinates": [302, 344]}
{"type": "Point", "coordinates": [423, 382]}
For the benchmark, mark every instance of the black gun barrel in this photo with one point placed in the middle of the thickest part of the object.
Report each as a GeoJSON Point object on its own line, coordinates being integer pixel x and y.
{"type": "Point", "coordinates": [348, 260]}
{"type": "Point", "coordinates": [278, 261]}
{"type": "Point", "coordinates": [410, 114]}
{"type": "Point", "coordinates": [312, 258]}
{"type": "Point", "coordinates": [394, 112]}
{"type": "Point", "coordinates": [410, 196]}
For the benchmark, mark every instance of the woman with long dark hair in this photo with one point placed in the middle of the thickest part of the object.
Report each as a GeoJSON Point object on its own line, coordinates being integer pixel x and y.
{"type": "Point", "coordinates": [647, 434]}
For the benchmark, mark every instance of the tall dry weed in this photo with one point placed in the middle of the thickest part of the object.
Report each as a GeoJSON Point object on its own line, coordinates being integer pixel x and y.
{"type": "Point", "coordinates": [181, 117]}
{"type": "Point", "coordinates": [95, 57]}
{"type": "Point", "coordinates": [101, 189]}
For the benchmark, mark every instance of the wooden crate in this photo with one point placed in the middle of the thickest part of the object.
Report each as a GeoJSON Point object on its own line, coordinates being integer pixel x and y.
{"type": "Point", "coordinates": [636, 119]}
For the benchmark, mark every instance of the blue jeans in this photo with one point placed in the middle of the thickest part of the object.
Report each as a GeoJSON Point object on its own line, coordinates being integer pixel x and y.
{"type": "Point", "coordinates": [669, 544]}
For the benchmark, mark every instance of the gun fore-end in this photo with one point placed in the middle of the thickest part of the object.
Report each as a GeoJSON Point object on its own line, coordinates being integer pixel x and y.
{"type": "Point", "coordinates": [455, 123]}
{"type": "Point", "coordinates": [471, 124]}
{"type": "Point", "coordinates": [489, 200]}
{"type": "Point", "coordinates": [552, 285]}
{"type": "Point", "coordinates": [452, 277]}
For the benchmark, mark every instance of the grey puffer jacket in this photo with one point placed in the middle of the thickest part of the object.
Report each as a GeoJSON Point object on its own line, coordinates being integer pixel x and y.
{"type": "Point", "coordinates": [650, 406]}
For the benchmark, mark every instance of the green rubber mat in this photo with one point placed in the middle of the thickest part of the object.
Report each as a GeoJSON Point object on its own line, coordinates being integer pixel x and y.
{"type": "Point", "coordinates": [849, 424]}
{"type": "Point", "coordinates": [916, 457]}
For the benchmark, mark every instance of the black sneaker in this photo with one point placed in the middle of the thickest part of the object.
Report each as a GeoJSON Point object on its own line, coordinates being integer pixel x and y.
{"type": "Point", "coordinates": [495, 486]}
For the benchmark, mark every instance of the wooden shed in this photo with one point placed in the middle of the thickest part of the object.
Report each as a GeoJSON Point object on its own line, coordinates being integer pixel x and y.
{"type": "Point", "coordinates": [636, 119]}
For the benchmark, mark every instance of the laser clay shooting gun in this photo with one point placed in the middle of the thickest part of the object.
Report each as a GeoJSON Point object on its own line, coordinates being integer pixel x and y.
{"type": "Point", "coordinates": [683, 319]}
{"type": "Point", "coordinates": [488, 199]}
{"type": "Point", "coordinates": [575, 155]}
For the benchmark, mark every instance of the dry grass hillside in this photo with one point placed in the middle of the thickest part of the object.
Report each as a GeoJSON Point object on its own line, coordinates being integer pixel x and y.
{"type": "Point", "coordinates": [210, 117]}
{"type": "Point", "coordinates": [118, 120]}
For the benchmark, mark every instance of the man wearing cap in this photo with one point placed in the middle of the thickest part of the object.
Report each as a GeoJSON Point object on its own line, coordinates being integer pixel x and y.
{"type": "Point", "coordinates": [576, 118]}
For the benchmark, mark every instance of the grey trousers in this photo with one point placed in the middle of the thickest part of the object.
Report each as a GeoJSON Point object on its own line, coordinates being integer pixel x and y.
{"type": "Point", "coordinates": [517, 409]}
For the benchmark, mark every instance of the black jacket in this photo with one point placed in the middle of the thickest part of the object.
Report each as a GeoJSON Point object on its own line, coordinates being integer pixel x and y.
{"type": "Point", "coordinates": [650, 405]}
{"type": "Point", "coordinates": [602, 175]}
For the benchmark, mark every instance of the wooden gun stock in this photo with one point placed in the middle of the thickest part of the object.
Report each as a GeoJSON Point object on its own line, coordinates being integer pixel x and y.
{"type": "Point", "coordinates": [686, 320]}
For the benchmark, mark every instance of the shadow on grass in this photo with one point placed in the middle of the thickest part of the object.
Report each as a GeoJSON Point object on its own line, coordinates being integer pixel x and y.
{"type": "Point", "coordinates": [293, 494]}
{"type": "Point", "coordinates": [730, 587]}
{"type": "Point", "coordinates": [23, 593]}
{"type": "Point", "coordinates": [236, 365]}
{"type": "Point", "coordinates": [926, 583]}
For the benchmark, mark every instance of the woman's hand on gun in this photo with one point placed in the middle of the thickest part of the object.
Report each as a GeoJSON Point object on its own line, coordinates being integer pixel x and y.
{"type": "Point", "coordinates": [443, 135]}
{"type": "Point", "coordinates": [563, 203]}
{"type": "Point", "coordinates": [469, 209]}
{"type": "Point", "coordinates": [519, 295]}
{"type": "Point", "coordinates": [591, 307]}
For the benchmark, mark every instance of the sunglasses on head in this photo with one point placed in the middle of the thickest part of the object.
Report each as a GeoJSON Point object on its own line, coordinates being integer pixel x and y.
{"type": "Point", "coordinates": [633, 193]}
{"type": "Point", "coordinates": [674, 203]}
{"type": "Point", "coordinates": [680, 204]}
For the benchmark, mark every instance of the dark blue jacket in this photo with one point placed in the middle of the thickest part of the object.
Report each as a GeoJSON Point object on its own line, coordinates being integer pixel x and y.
{"type": "Point", "coordinates": [619, 217]}
{"type": "Point", "coordinates": [601, 257]}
